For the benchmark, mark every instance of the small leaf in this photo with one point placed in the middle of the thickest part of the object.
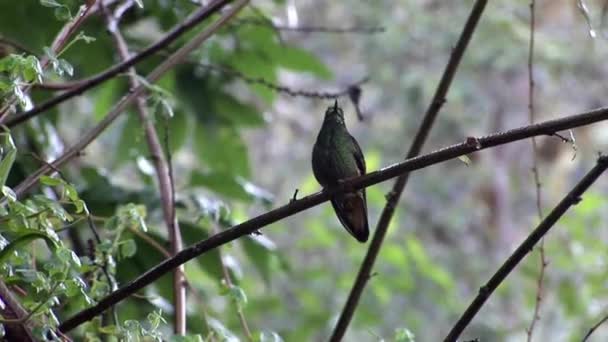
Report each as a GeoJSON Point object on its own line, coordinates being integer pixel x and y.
{"type": "Point", "coordinates": [404, 335]}
{"type": "Point", "coordinates": [128, 248]}
{"type": "Point", "coordinates": [8, 152]}
{"type": "Point", "coordinates": [63, 13]}
{"type": "Point", "coordinates": [66, 67]}
{"type": "Point", "coordinates": [270, 336]}
{"type": "Point", "coordinates": [237, 294]}
{"type": "Point", "coordinates": [50, 181]}
{"type": "Point", "coordinates": [465, 159]}
{"type": "Point", "coordinates": [9, 193]}
{"type": "Point", "coordinates": [32, 70]}
{"type": "Point", "coordinates": [19, 95]}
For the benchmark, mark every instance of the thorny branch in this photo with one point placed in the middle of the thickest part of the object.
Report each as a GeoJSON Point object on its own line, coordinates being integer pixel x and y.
{"type": "Point", "coordinates": [470, 145]}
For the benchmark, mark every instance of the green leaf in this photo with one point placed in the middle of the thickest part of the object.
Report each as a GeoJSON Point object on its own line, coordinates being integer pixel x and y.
{"type": "Point", "coordinates": [222, 149]}
{"type": "Point", "coordinates": [32, 70]}
{"type": "Point", "coordinates": [50, 181]}
{"type": "Point", "coordinates": [252, 64]}
{"type": "Point", "coordinates": [236, 112]}
{"type": "Point", "coordinates": [24, 240]}
{"type": "Point", "coordinates": [63, 13]}
{"type": "Point", "coordinates": [8, 152]}
{"type": "Point", "coordinates": [302, 60]}
{"type": "Point", "coordinates": [9, 193]}
{"type": "Point", "coordinates": [221, 183]}
{"type": "Point", "coordinates": [269, 336]}
{"type": "Point", "coordinates": [404, 335]}
{"type": "Point", "coordinates": [210, 262]}
{"type": "Point", "coordinates": [465, 159]}
{"type": "Point", "coordinates": [128, 248]}
{"type": "Point", "coordinates": [66, 67]}
{"type": "Point", "coordinates": [68, 256]}
{"type": "Point", "coordinates": [260, 251]}
{"type": "Point", "coordinates": [237, 294]}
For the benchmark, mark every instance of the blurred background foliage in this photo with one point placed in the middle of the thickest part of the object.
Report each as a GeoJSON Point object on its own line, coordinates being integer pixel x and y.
{"type": "Point", "coordinates": [240, 148]}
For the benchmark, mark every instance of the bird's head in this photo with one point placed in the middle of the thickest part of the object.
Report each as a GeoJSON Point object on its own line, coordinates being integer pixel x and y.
{"type": "Point", "coordinates": [335, 113]}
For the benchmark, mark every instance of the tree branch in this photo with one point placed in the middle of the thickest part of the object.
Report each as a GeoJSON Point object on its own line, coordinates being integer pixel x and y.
{"type": "Point", "coordinates": [162, 171]}
{"type": "Point", "coordinates": [394, 195]}
{"type": "Point", "coordinates": [594, 328]}
{"type": "Point", "coordinates": [103, 76]}
{"type": "Point", "coordinates": [295, 206]}
{"type": "Point", "coordinates": [536, 175]}
{"type": "Point", "coordinates": [170, 62]}
{"type": "Point", "coordinates": [571, 199]}
{"type": "Point", "coordinates": [311, 29]}
{"type": "Point", "coordinates": [12, 309]}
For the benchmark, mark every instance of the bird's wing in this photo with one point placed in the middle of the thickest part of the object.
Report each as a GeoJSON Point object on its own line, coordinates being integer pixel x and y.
{"type": "Point", "coordinates": [358, 156]}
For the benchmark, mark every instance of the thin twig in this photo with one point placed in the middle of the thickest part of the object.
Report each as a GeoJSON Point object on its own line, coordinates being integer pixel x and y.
{"type": "Point", "coordinates": [394, 195]}
{"type": "Point", "coordinates": [311, 29]}
{"type": "Point", "coordinates": [169, 63]}
{"type": "Point", "coordinates": [18, 330]}
{"type": "Point", "coordinates": [594, 328]}
{"type": "Point", "coordinates": [58, 86]}
{"type": "Point", "coordinates": [327, 95]}
{"type": "Point", "coordinates": [111, 72]}
{"type": "Point", "coordinates": [160, 164]}
{"type": "Point", "coordinates": [536, 174]}
{"type": "Point", "coordinates": [571, 199]}
{"type": "Point", "coordinates": [228, 281]}
{"type": "Point", "coordinates": [470, 145]}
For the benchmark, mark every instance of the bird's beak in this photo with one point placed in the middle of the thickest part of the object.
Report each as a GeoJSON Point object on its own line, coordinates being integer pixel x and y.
{"type": "Point", "coordinates": [336, 105]}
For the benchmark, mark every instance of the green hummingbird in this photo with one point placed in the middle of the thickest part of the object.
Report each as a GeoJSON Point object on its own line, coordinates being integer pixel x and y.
{"type": "Point", "coordinates": [336, 156]}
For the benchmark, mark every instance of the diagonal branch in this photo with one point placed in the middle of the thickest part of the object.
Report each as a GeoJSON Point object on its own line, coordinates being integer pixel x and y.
{"type": "Point", "coordinates": [162, 170]}
{"type": "Point", "coordinates": [393, 196]}
{"type": "Point", "coordinates": [594, 328]}
{"type": "Point", "coordinates": [571, 199]}
{"type": "Point", "coordinates": [295, 206]}
{"type": "Point", "coordinates": [19, 330]}
{"type": "Point", "coordinates": [169, 63]}
{"type": "Point", "coordinates": [111, 72]}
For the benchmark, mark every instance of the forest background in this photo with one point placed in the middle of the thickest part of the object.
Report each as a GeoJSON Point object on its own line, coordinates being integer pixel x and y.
{"type": "Point", "coordinates": [222, 131]}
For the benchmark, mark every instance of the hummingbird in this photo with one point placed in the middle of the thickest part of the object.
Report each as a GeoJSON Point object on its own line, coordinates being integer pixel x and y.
{"type": "Point", "coordinates": [336, 157]}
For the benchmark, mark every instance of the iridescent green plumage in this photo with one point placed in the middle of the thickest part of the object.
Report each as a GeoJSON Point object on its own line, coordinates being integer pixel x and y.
{"type": "Point", "coordinates": [336, 157]}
